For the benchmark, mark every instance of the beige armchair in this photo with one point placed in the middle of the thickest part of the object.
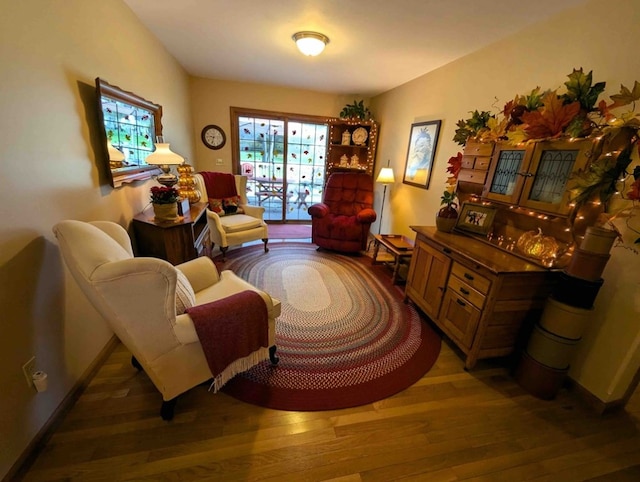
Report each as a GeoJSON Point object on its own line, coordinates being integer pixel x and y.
{"type": "Point", "coordinates": [139, 297]}
{"type": "Point", "coordinates": [234, 230]}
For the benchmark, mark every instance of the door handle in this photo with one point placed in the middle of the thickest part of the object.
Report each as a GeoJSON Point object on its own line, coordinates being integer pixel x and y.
{"type": "Point", "coordinates": [460, 302]}
{"type": "Point", "coordinates": [464, 292]}
{"type": "Point", "coordinates": [469, 277]}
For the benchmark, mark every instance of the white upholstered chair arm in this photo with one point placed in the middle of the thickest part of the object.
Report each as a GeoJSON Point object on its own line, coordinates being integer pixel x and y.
{"type": "Point", "coordinates": [185, 330]}
{"type": "Point", "coordinates": [216, 231]}
{"type": "Point", "coordinates": [201, 272]}
{"type": "Point", "coordinates": [253, 211]}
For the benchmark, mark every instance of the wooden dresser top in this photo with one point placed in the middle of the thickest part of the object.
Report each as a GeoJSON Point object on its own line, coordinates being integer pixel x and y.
{"type": "Point", "coordinates": [478, 252]}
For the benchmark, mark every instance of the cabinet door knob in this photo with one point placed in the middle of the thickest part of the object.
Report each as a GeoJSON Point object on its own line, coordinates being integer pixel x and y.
{"type": "Point", "coordinates": [460, 302]}
{"type": "Point", "coordinates": [525, 174]}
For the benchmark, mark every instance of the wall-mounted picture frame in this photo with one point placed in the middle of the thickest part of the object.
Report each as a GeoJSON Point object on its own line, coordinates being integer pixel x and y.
{"type": "Point", "coordinates": [423, 139]}
{"type": "Point", "coordinates": [476, 218]}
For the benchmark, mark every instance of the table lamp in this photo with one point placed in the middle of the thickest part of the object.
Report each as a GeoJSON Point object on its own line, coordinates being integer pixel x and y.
{"type": "Point", "coordinates": [164, 158]}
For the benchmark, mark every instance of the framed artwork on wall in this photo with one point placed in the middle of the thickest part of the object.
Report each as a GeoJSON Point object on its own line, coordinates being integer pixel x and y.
{"type": "Point", "coordinates": [476, 218]}
{"type": "Point", "coordinates": [423, 139]}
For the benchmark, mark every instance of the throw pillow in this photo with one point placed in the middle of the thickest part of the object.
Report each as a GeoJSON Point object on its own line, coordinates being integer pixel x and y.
{"type": "Point", "coordinates": [226, 206]}
{"type": "Point", "coordinates": [185, 296]}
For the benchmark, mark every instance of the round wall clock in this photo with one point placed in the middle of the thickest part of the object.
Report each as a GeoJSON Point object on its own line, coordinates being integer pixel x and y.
{"type": "Point", "coordinates": [213, 137]}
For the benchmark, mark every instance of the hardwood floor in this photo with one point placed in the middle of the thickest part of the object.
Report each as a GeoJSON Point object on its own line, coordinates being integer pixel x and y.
{"type": "Point", "coordinates": [451, 425]}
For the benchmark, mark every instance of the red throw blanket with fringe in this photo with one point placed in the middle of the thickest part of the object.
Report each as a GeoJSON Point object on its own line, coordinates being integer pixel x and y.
{"type": "Point", "coordinates": [234, 333]}
{"type": "Point", "coordinates": [219, 185]}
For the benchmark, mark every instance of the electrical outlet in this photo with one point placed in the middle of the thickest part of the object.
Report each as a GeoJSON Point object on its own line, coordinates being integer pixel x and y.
{"type": "Point", "coordinates": [29, 369]}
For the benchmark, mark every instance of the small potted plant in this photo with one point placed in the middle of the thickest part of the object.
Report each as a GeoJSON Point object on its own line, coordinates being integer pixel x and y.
{"type": "Point", "coordinates": [357, 110]}
{"type": "Point", "coordinates": [448, 214]}
{"type": "Point", "coordinates": [165, 203]}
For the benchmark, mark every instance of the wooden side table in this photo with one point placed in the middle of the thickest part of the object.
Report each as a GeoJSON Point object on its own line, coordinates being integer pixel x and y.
{"type": "Point", "coordinates": [400, 247]}
{"type": "Point", "coordinates": [177, 242]}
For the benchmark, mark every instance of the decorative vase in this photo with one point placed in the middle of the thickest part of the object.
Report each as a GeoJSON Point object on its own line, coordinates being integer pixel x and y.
{"type": "Point", "coordinates": [446, 219]}
{"type": "Point", "coordinates": [165, 212]}
{"type": "Point", "coordinates": [445, 225]}
{"type": "Point", "coordinates": [187, 184]}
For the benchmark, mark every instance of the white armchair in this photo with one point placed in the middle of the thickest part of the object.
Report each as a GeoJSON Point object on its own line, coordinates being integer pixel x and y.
{"type": "Point", "coordinates": [234, 230]}
{"type": "Point", "coordinates": [137, 296]}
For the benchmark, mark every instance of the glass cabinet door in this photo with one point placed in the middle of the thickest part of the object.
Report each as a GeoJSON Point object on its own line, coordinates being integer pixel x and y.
{"type": "Point", "coordinates": [552, 164]}
{"type": "Point", "coordinates": [507, 173]}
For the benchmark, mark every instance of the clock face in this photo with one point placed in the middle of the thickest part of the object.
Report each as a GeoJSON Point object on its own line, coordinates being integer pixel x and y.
{"type": "Point", "coordinates": [213, 137]}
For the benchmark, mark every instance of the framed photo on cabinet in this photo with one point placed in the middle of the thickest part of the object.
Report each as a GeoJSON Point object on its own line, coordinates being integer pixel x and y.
{"type": "Point", "coordinates": [476, 218]}
{"type": "Point", "coordinates": [423, 139]}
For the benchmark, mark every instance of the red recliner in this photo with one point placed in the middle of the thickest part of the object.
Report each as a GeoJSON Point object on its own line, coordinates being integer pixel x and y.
{"type": "Point", "coordinates": [341, 222]}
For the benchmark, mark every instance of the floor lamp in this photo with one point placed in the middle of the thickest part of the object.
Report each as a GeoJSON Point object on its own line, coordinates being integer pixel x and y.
{"type": "Point", "coordinates": [384, 177]}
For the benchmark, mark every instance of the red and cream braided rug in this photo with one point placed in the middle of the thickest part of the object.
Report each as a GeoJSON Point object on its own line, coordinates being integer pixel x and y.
{"type": "Point", "coordinates": [345, 336]}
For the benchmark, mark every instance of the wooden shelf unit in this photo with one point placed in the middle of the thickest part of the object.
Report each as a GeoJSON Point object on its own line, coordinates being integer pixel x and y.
{"type": "Point", "coordinates": [366, 153]}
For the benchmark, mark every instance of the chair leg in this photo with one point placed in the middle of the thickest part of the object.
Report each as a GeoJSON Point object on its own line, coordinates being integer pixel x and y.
{"type": "Point", "coordinates": [136, 363]}
{"type": "Point", "coordinates": [167, 409]}
{"type": "Point", "coordinates": [223, 250]}
{"type": "Point", "coordinates": [272, 355]}
{"type": "Point", "coordinates": [265, 241]}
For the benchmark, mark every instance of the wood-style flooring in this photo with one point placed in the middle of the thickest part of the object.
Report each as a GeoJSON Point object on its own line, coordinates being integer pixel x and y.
{"type": "Point", "coordinates": [451, 425]}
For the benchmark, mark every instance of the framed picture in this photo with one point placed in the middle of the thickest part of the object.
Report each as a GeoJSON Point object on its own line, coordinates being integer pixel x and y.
{"type": "Point", "coordinates": [422, 148]}
{"type": "Point", "coordinates": [476, 218]}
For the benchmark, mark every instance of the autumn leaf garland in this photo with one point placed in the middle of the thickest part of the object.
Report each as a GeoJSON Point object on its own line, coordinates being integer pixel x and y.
{"type": "Point", "coordinates": [550, 114]}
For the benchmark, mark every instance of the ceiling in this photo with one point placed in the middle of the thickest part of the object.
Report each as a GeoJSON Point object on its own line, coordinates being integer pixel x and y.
{"type": "Point", "coordinates": [375, 45]}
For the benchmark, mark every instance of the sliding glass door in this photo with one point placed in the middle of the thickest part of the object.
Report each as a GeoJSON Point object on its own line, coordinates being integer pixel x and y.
{"type": "Point", "coordinates": [283, 157]}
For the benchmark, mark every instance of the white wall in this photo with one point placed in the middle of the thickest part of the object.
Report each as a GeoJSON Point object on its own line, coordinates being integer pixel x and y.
{"type": "Point", "coordinates": [603, 36]}
{"type": "Point", "coordinates": [50, 53]}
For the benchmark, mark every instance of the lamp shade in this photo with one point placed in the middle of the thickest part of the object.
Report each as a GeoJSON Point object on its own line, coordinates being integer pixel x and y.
{"type": "Point", "coordinates": [310, 43]}
{"type": "Point", "coordinates": [163, 156]}
{"type": "Point", "coordinates": [386, 176]}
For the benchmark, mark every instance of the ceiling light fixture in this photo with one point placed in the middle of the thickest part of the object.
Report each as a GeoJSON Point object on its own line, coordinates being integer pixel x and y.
{"type": "Point", "coordinates": [310, 43]}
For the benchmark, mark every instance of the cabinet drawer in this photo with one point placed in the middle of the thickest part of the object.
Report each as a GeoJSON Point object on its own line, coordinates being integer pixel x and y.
{"type": "Point", "coordinates": [482, 163]}
{"type": "Point", "coordinates": [471, 278]}
{"type": "Point", "coordinates": [472, 175]}
{"type": "Point", "coordinates": [478, 149]}
{"type": "Point", "coordinates": [465, 291]}
{"type": "Point", "coordinates": [459, 319]}
{"type": "Point", "coordinates": [467, 162]}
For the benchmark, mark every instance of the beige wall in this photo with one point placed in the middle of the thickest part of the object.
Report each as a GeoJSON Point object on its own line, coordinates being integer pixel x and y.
{"type": "Point", "coordinates": [211, 100]}
{"type": "Point", "coordinates": [50, 53]}
{"type": "Point", "coordinates": [602, 37]}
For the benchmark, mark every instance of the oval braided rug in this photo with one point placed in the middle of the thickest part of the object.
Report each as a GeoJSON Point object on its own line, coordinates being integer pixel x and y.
{"type": "Point", "coordinates": [345, 337]}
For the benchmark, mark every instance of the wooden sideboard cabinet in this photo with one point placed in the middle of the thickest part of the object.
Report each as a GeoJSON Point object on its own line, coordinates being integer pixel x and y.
{"type": "Point", "coordinates": [479, 296]}
{"type": "Point", "coordinates": [175, 242]}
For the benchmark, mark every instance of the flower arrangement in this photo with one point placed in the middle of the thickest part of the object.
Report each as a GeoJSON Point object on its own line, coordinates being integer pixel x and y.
{"type": "Point", "coordinates": [575, 113]}
{"type": "Point", "coordinates": [164, 195]}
